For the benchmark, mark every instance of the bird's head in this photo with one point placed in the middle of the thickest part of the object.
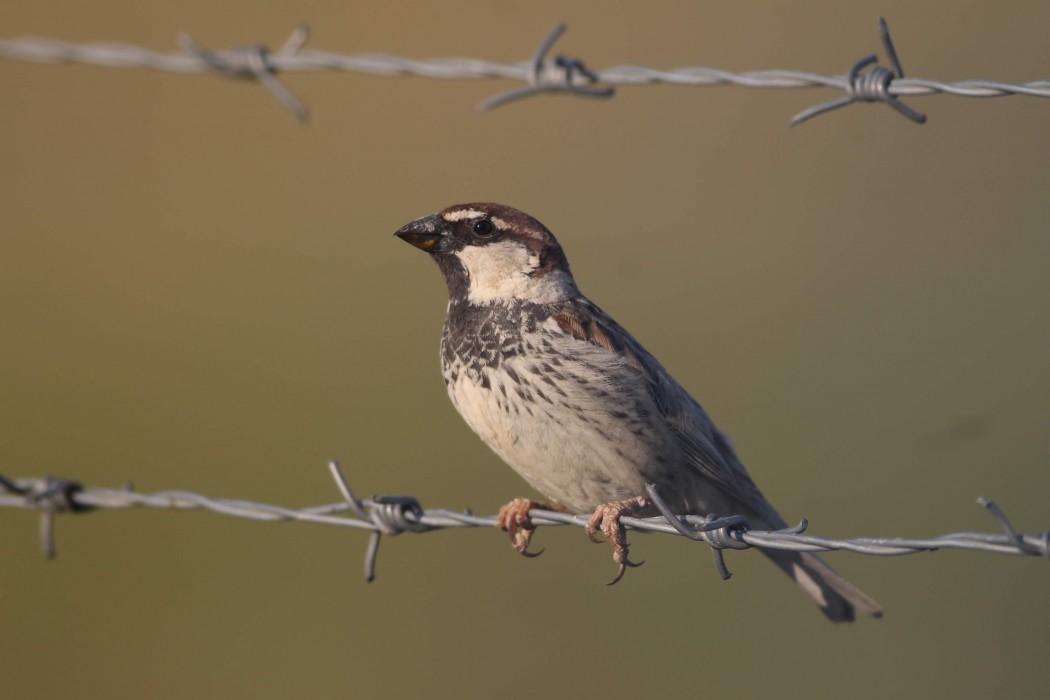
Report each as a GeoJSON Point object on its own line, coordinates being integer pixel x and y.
{"type": "Point", "coordinates": [492, 253]}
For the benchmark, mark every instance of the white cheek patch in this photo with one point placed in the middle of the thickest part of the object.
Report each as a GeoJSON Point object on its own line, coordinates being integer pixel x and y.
{"type": "Point", "coordinates": [462, 214]}
{"type": "Point", "coordinates": [501, 271]}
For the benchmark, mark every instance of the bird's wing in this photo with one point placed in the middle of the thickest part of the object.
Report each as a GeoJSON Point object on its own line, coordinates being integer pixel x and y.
{"type": "Point", "coordinates": [706, 449]}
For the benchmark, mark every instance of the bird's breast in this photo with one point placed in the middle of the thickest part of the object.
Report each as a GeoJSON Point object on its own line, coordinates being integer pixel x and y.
{"type": "Point", "coordinates": [577, 426]}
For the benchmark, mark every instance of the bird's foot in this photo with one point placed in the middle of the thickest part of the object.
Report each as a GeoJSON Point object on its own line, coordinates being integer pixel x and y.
{"type": "Point", "coordinates": [514, 519]}
{"type": "Point", "coordinates": [606, 518]}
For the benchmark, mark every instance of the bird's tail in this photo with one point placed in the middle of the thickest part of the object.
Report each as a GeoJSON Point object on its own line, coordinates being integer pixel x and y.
{"type": "Point", "coordinates": [837, 598]}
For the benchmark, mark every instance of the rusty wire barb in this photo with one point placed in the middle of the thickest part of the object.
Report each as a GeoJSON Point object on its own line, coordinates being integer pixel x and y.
{"type": "Point", "coordinates": [393, 515]}
{"type": "Point", "coordinates": [540, 74]}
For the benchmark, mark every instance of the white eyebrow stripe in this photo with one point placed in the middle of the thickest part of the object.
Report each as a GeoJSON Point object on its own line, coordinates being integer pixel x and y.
{"type": "Point", "coordinates": [461, 214]}
{"type": "Point", "coordinates": [499, 223]}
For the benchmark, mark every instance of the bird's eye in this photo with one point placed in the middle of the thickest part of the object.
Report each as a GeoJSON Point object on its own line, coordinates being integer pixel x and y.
{"type": "Point", "coordinates": [484, 227]}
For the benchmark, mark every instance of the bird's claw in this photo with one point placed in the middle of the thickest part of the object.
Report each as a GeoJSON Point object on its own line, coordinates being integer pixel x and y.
{"type": "Point", "coordinates": [514, 519]}
{"type": "Point", "coordinates": [606, 518]}
{"type": "Point", "coordinates": [623, 569]}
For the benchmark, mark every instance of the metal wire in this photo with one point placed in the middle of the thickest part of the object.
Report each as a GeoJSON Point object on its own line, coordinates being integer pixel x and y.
{"type": "Point", "coordinates": [541, 75]}
{"type": "Point", "coordinates": [393, 515]}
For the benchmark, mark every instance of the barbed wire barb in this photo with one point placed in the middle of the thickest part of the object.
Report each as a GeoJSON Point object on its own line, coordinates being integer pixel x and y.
{"type": "Point", "coordinates": [50, 496]}
{"type": "Point", "coordinates": [873, 86]}
{"type": "Point", "coordinates": [372, 551]}
{"type": "Point", "coordinates": [390, 514]}
{"type": "Point", "coordinates": [254, 62]}
{"type": "Point", "coordinates": [563, 74]}
{"type": "Point", "coordinates": [540, 74]}
{"type": "Point", "coordinates": [999, 515]}
{"type": "Point", "coordinates": [716, 532]}
{"type": "Point", "coordinates": [396, 514]}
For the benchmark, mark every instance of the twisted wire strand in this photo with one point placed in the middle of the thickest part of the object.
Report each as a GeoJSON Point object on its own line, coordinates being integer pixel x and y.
{"type": "Point", "coordinates": [393, 515]}
{"type": "Point", "coordinates": [540, 74]}
{"type": "Point", "coordinates": [115, 55]}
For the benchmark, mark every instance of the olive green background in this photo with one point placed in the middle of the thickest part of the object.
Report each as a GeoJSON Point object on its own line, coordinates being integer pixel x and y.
{"type": "Point", "coordinates": [197, 292]}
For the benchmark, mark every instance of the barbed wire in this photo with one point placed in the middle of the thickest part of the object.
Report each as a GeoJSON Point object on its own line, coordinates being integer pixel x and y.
{"type": "Point", "coordinates": [541, 74]}
{"type": "Point", "coordinates": [392, 515]}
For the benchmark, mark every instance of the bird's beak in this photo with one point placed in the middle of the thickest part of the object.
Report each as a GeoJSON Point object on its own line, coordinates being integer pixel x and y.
{"type": "Point", "coordinates": [423, 233]}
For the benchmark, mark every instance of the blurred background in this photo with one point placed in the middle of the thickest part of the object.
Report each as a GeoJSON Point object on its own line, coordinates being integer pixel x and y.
{"type": "Point", "coordinates": [197, 292]}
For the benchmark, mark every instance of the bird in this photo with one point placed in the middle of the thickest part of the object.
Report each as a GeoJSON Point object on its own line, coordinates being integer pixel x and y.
{"type": "Point", "coordinates": [575, 405]}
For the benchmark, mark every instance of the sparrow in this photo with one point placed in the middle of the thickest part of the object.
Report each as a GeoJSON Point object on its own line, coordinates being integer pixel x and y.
{"type": "Point", "coordinates": [575, 405]}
